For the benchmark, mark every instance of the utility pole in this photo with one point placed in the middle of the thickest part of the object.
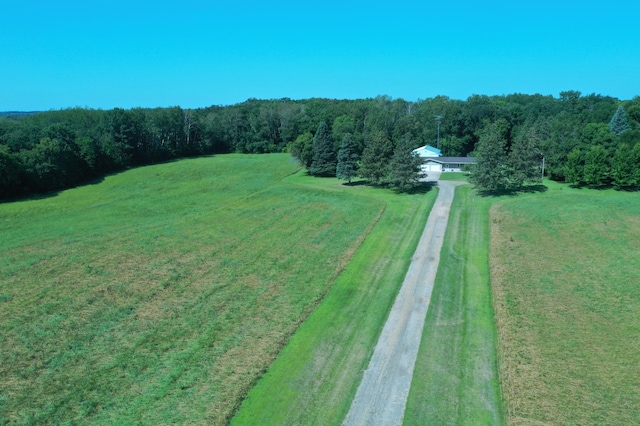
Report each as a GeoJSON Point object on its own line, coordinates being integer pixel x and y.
{"type": "Point", "coordinates": [438, 118]}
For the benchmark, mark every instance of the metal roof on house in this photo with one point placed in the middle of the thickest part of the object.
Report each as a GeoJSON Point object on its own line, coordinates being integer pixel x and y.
{"type": "Point", "coordinates": [428, 148]}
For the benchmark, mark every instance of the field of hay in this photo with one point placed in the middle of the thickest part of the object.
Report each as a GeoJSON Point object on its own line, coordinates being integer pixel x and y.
{"type": "Point", "coordinates": [160, 295]}
{"type": "Point", "coordinates": [566, 284]}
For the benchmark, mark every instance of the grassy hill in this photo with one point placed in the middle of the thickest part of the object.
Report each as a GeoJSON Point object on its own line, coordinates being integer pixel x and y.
{"type": "Point", "coordinates": [160, 294]}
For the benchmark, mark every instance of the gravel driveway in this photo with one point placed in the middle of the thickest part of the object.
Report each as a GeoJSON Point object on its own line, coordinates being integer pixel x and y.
{"type": "Point", "coordinates": [382, 394]}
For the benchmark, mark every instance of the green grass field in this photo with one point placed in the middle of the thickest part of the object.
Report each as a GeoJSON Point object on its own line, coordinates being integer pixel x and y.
{"type": "Point", "coordinates": [314, 379]}
{"type": "Point", "coordinates": [455, 380]}
{"type": "Point", "coordinates": [161, 294]}
{"type": "Point", "coordinates": [566, 282]}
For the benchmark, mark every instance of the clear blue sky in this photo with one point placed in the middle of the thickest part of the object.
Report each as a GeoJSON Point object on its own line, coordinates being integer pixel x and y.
{"type": "Point", "coordinates": [106, 54]}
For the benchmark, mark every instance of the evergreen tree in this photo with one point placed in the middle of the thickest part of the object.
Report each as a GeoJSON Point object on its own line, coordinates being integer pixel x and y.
{"type": "Point", "coordinates": [525, 159]}
{"type": "Point", "coordinates": [374, 165]}
{"type": "Point", "coordinates": [490, 172]}
{"type": "Point", "coordinates": [347, 159]}
{"type": "Point", "coordinates": [404, 167]}
{"type": "Point", "coordinates": [574, 167]}
{"type": "Point", "coordinates": [324, 156]}
{"type": "Point", "coordinates": [623, 165]}
{"type": "Point", "coordinates": [635, 154]}
{"type": "Point", "coordinates": [596, 166]}
{"type": "Point", "coordinates": [619, 122]}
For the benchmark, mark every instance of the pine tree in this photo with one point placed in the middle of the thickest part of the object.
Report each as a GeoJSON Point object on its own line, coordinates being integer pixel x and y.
{"type": "Point", "coordinates": [490, 172]}
{"type": "Point", "coordinates": [347, 159]}
{"type": "Point", "coordinates": [596, 166]}
{"type": "Point", "coordinates": [574, 167]}
{"type": "Point", "coordinates": [525, 159]}
{"type": "Point", "coordinates": [374, 165]}
{"type": "Point", "coordinates": [635, 154]}
{"type": "Point", "coordinates": [619, 122]}
{"type": "Point", "coordinates": [324, 156]}
{"type": "Point", "coordinates": [404, 167]}
{"type": "Point", "coordinates": [623, 167]}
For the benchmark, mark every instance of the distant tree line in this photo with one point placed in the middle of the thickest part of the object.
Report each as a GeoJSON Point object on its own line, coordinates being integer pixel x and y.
{"type": "Point", "coordinates": [584, 139]}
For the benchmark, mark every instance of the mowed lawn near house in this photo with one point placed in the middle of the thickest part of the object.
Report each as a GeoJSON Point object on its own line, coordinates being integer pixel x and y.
{"type": "Point", "coordinates": [159, 295]}
{"type": "Point", "coordinates": [566, 282]}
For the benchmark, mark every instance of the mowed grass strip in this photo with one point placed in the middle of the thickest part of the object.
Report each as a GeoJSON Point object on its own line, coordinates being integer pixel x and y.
{"type": "Point", "coordinates": [314, 379]}
{"type": "Point", "coordinates": [566, 281]}
{"type": "Point", "coordinates": [161, 294]}
{"type": "Point", "coordinates": [454, 176]}
{"type": "Point", "coordinates": [455, 380]}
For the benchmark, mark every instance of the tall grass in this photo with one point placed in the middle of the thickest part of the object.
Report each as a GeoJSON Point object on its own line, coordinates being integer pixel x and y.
{"type": "Point", "coordinates": [455, 380]}
{"type": "Point", "coordinates": [161, 294]}
{"type": "Point", "coordinates": [566, 277]}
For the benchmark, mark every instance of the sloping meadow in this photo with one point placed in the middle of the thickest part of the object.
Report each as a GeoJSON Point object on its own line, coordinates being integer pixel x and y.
{"type": "Point", "coordinates": [161, 294]}
{"type": "Point", "coordinates": [566, 281]}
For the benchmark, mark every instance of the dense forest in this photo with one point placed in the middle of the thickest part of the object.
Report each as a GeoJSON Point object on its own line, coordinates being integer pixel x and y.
{"type": "Point", "coordinates": [584, 139]}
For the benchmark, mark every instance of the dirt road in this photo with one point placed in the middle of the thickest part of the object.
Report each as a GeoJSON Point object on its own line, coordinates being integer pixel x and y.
{"type": "Point", "coordinates": [382, 394]}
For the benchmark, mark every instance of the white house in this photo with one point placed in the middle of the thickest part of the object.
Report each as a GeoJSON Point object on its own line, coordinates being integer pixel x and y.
{"type": "Point", "coordinates": [435, 162]}
{"type": "Point", "coordinates": [446, 164]}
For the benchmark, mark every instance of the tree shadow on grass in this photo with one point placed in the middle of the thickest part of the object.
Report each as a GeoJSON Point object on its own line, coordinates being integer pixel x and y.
{"type": "Point", "coordinates": [604, 187]}
{"type": "Point", "coordinates": [355, 183]}
{"type": "Point", "coordinates": [43, 195]}
{"type": "Point", "coordinates": [91, 180]}
{"type": "Point", "coordinates": [420, 188]}
{"type": "Point", "coordinates": [527, 189]}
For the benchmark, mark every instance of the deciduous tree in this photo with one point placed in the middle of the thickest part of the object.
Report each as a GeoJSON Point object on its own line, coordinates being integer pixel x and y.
{"type": "Point", "coordinates": [342, 126]}
{"type": "Point", "coordinates": [9, 172]}
{"type": "Point", "coordinates": [302, 149]}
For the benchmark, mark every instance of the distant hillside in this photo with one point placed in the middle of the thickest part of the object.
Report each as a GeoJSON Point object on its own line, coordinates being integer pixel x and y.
{"type": "Point", "coordinates": [13, 114]}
